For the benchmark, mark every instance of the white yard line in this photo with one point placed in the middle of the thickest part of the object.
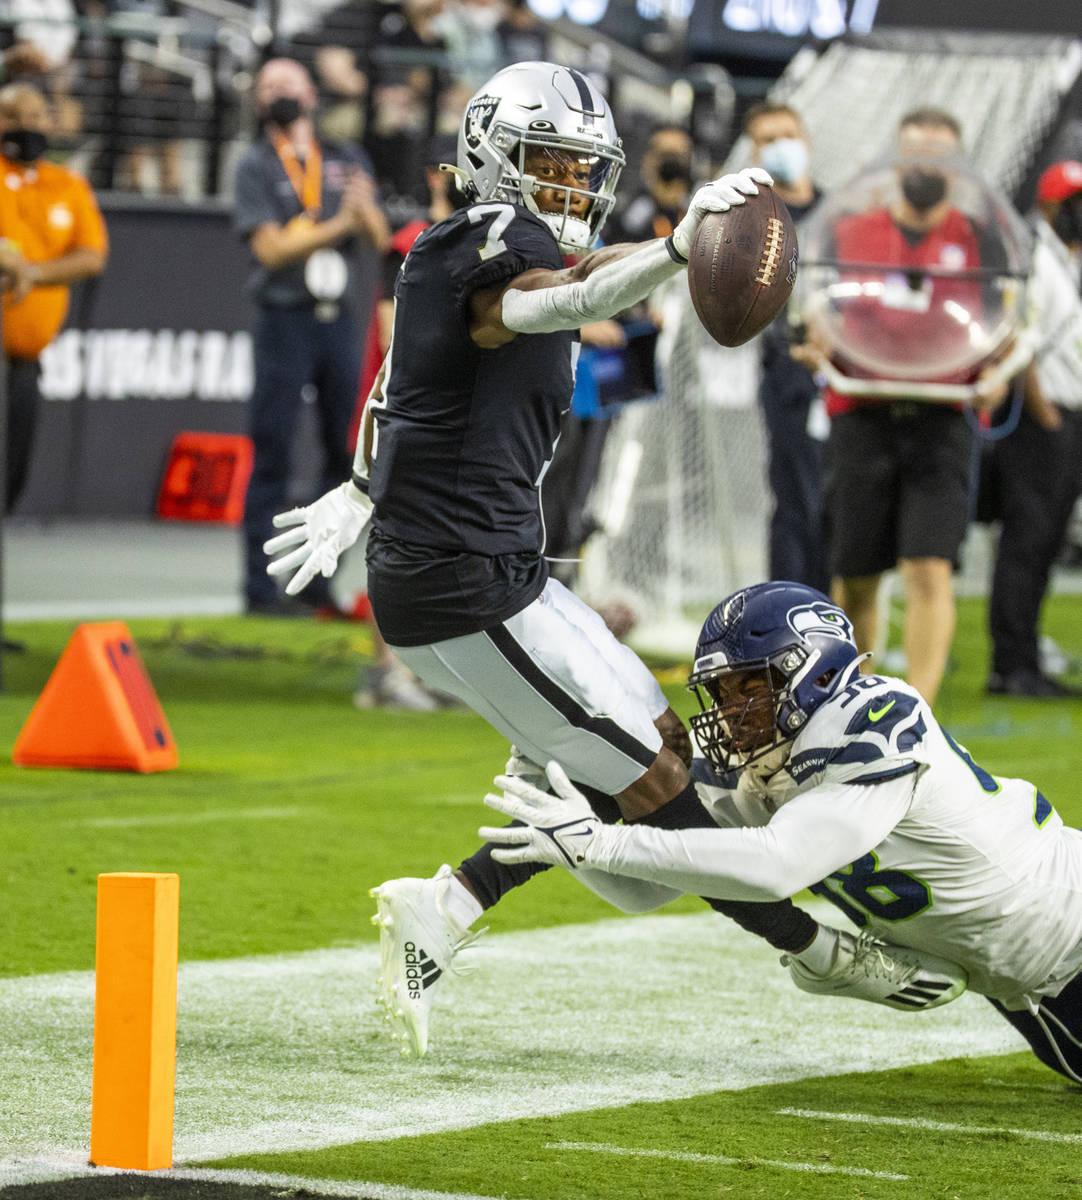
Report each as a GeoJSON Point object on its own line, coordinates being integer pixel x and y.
{"type": "Point", "coordinates": [1036, 1135]}
{"type": "Point", "coordinates": [194, 818]}
{"type": "Point", "coordinates": [721, 1159]}
{"type": "Point", "coordinates": [287, 1052]}
{"type": "Point", "coordinates": [1031, 1087]}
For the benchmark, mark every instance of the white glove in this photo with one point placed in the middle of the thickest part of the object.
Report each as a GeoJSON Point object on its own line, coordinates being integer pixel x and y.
{"type": "Point", "coordinates": [320, 532]}
{"type": "Point", "coordinates": [525, 769]}
{"type": "Point", "coordinates": [557, 830]}
{"type": "Point", "coordinates": [719, 196]}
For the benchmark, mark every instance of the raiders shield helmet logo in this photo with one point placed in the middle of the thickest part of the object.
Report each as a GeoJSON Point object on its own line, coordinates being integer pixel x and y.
{"type": "Point", "coordinates": [478, 118]}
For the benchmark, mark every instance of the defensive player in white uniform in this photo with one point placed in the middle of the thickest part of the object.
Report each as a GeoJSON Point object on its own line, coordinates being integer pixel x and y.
{"type": "Point", "coordinates": [845, 783]}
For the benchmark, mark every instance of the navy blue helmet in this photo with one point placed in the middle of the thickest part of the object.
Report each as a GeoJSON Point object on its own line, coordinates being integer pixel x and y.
{"type": "Point", "coordinates": [767, 657]}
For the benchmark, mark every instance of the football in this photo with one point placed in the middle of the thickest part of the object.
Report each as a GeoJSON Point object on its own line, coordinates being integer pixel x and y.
{"type": "Point", "coordinates": [742, 267]}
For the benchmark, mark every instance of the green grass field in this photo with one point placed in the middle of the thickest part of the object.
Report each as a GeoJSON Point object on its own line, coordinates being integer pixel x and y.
{"type": "Point", "coordinates": [591, 1055]}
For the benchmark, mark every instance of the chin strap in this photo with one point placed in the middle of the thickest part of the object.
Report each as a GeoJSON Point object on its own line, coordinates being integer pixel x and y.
{"type": "Point", "coordinates": [460, 176]}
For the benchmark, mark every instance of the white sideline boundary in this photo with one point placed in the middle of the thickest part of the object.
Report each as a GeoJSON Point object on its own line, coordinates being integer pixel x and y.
{"type": "Point", "coordinates": [50, 1172]}
{"type": "Point", "coordinates": [288, 1052]}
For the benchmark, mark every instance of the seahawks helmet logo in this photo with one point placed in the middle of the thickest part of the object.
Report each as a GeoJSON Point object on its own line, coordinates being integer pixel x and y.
{"type": "Point", "coordinates": [820, 618]}
{"type": "Point", "coordinates": [478, 117]}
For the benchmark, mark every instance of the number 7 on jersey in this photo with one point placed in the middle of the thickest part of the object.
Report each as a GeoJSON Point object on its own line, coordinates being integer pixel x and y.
{"type": "Point", "coordinates": [494, 244]}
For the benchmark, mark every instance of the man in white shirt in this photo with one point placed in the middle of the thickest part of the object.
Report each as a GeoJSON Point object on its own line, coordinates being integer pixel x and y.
{"type": "Point", "coordinates": [1034, 474]}
{"type": "Point", "coordinates": [820, 777]}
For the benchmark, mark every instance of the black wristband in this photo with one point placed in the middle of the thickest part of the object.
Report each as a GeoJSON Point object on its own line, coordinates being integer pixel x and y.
{"type": "Point", "coordinates": [360, 482]}
{"type": "Point", "coordinates": [675, 254]}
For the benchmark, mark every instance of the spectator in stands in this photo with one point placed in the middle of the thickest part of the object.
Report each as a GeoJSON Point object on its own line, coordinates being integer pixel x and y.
{"type": "Point", "coordinates": [22, 58]}
{"type": "Point", "coordinates": [1035, 473]}
{"type": "Point", "coordinates": [470, 28]}
{"type": "Point", "coordinates": [409, 78]}
{"type": "Point", "coordinates": [788, 394]}
{"type": "Point", "coordinates": [305, 207]}
{"type": "Point", "coordinates": [899, 471]}
{"type": "Point", "coordinates": [335, 46]}
{"type": "Point", "coordinates": [159, 111]}
{"type": "Point", "coordinates": [53, 236]}
{"type": "Point", "coordinates": [523, 36]}
{"type": "Point", "coordinates": [42, 33]}
{"type": "Point", "coordinates": [345, 88]}
{"type": "Point", "coordinates": [46, 52]}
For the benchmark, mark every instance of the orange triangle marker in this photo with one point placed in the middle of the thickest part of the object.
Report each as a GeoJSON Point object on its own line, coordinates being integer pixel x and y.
{"type": "Point", "coordinates": [98, 709]}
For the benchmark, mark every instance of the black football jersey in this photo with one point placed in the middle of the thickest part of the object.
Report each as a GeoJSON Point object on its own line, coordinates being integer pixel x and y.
{"type": "Point", "coordinates": [464, 435]}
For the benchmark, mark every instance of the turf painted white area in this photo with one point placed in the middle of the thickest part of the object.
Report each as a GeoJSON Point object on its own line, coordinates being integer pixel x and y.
{"type": "Point", "coordinates": [688, 1156]}
{"type": "Point", "coordinates": [196, 818]}
{"type": "Point", "coordinates": [288, 1052]}
{"type": "Point", "coordinates": [1034, 1135]}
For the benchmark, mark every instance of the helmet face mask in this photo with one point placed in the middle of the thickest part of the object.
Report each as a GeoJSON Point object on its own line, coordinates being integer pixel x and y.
{"type": "Point", "coordinates": [738, 722]}
{"type": "Point", "coordinates": [767, 658]}
{"type": "Point", "coordinates": [550, 119]}
{"type": "Point", "coordinates": [571, 190]}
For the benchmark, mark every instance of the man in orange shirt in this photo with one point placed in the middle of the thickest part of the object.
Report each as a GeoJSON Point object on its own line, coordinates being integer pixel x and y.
{"type": "Point", "coordinates": [51, 235]}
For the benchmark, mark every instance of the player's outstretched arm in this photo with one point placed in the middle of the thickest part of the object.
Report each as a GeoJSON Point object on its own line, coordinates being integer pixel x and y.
{"type": "Point", "coordinates": [558, 824]}
{"type": "Point", "coordinates": [315, 536]}
{"type": "Point", "coordinates": [606, 281]}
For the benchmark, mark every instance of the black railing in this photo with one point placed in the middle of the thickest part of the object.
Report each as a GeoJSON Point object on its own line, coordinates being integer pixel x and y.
{"type": "Point", "coordinates": [157, 100]}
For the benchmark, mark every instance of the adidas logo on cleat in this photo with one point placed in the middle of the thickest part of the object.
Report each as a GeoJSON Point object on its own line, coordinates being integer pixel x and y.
{"type": "Point", "coordinates": [921, 992]}
{"type": "Point", "coordinates": [421, 970]}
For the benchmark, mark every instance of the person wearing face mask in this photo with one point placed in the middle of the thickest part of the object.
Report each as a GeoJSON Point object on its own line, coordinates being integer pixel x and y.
{"type": "Point", "coordinates": [1033, 477]}
{"type": "Point", "coordinates": [306, 208]}
{"type": "Point", "coordinates": [788, 393]}
{"type": "Point", "coordinates": [52, 236]}
{"type": "Point", "coordinates": [658, 207]}
{"type": "Point", "coordinates": [469, 28]}
{"type": "Point", "coordinates": [899, 483]}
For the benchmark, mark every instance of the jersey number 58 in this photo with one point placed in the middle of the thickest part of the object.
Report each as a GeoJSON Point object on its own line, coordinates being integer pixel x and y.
{"type": "Point", "coordinates": [861, 890]}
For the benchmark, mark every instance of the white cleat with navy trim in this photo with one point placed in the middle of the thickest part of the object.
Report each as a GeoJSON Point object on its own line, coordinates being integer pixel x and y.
{"type": "Point", "coordinates": [418, 941]}
{"type": "Point", "coordinates": [868, 968]}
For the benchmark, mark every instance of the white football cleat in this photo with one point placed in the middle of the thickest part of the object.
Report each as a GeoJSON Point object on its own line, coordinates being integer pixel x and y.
{"type": "Point", "coordinates": [418, 942]}
{"type": "Point", "coordinates": [868, 968]}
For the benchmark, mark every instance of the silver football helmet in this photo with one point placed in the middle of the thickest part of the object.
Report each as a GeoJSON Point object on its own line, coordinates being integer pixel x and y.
{"type": "Point", "coordinates": [542, 135]}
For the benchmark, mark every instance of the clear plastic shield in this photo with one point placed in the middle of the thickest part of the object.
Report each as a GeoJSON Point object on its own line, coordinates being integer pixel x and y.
{"type": "Point", "coordinates": [914, 271]}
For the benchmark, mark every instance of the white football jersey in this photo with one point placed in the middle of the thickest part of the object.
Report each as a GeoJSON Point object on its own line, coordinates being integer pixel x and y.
{"type": "Point", "coordinates": [880, 811]}
{"type": "Point", "coordinates": [1055, 310]}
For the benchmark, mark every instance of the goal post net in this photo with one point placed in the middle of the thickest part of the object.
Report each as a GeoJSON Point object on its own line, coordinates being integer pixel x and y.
{"type": "Point", "coordinates": [682, 497]}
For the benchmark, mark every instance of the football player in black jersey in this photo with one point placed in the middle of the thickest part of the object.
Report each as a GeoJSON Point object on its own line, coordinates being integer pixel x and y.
{"type": "Point", "coordinates": [458, 433]}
